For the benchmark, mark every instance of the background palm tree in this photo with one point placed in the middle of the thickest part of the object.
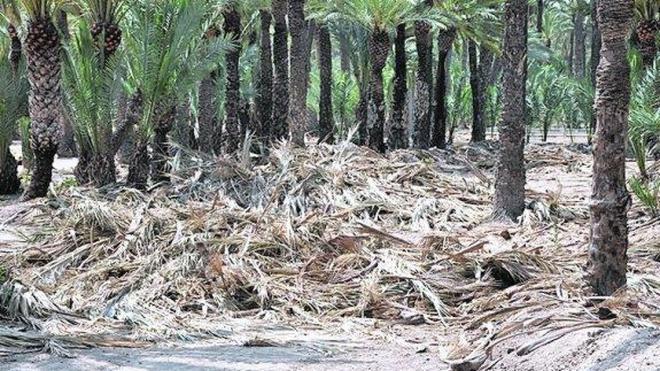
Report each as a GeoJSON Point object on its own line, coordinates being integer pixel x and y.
{"type": "Point", "coordinates": [13, 105]}
{"type": "Point", "coordinates": [298, 67]}
{"type": "Point", "coordinates": [42, 51]}
{"type": "Point", "coordinates": [610, 199]}
{"type": "Point", "coordinates": [647, 18]}
{"type": "Point", "coordinates": [398, 129]}
{"type": "Point", "coordinates": [281, 72]}
{"type": "Point", "coordinates": [232, 29]}
{"type": "Point", "coordinates": [509, 200]}
{"type": "Point", "coordinates": [424, 82]}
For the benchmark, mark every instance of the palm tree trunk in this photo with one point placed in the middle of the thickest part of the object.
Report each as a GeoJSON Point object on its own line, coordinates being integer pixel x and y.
{"type": "Point", "coordinates": [398, 137]}
{"type": "Point", "coordinates": [138, 169]}
{"type": "Point", "coordinates": [161, 147]}
{"type": "Point", "coordinates": [281, 75]}
{"type": "Point", "coordinates": [478, 127]}
{"type": "Point", "coordinates": [423, 86]}
{"type": "Point", "coordinates": [445, 41]}
{"type": "Point", "coordinates": [486, 59]}
{"type": "Point", "coordinates": [9, 182]}
{"type": "Point", "coordinates": [208, 114]}
{"type": "Point", "coordinates": [579, 54]}
{"type": "Point", "coordinates": [595, 58]}
{"type": "Point", "coordinates": [16, 50]}
{"type": "Point", "coordinates": [610, 200]}
{"type": "Point", "coordinates": [43, 49]}
{"type": "Point", "coordinates": [298, 86]}
{"type": "Point", "coordinates": [379, 49]}
{"type": "Point", "coordinates": [326, 115]}
{"type": "Point", "coordinates": [345, 54]}
{"type": "Point", "coordinates": [509, 200]}
{"type": "Point", "coordinates": [232, 29]}
{"type": "Point", "coordinates": [265, 84]}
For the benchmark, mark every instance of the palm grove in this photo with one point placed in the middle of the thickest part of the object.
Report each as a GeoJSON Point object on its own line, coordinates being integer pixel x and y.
{"type": "Point", "coordinates": [139, 81]}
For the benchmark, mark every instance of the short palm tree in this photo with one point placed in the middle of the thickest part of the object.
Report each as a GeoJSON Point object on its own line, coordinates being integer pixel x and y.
{"type": "Point", "coordinates": [42, 50]}
{"type": "Point", "coordinates": [13, 105]}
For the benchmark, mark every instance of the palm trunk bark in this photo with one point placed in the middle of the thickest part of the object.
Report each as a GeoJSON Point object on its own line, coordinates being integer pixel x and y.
{"type": "Point", "coordinates": [445, 41]}
{"type": "Point", "coordinates": [138, 169]}
{"type": "Point", "coordinates": [161, 147]}
{"type": "Point", "coordinates": [16, 50]}
{"type": "Point", "coordinates": [208, 124]}
{"type": "Point", "coordinates": [478, 127]}
{"type": "Point", "coordinates": [281, 74]}
{"type": "Point", "coordinates": [580, 49]}
{"type": "Point", "coordinates": [610, 200]}
{"type": "Point", "coordinates": [423, 86]}
{"type": "Point", "coordinates": [43, 49]}
{"type": "Point", "coordinates": [9, 182]}
{"type": "Point", "coordinates": [298, 83]}
{"type": "Point", "coordinates": [398, 137]}
{"type": "Point", "coordinates": [486, 59]}
{"type": "Point", "coordinates": [509, 200]}
{"type": "Point", "coordinates": [265, 84]}
{"type": "Point", "coordinates": [379, 48]}
{"type": "Point", "coordinates": [345, 54]}
{"type": "Point", "coordinates": [595, 58]}
{"type": "Point", "coordinates": [326, 115]}
{"type": "Point", "coordinates": [232, 29]}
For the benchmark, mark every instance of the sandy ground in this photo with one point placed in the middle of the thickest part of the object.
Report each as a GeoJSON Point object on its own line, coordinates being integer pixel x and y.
{"type": "Point", "coordinates": [396, 347]}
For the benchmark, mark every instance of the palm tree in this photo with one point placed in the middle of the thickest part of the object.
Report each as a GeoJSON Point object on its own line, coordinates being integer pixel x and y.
{"type": "Point", "coordinates": [42, 50]}
{"type": "Point", "coordinates": [298, 83]}
{"type": "Point", "coordinates": [445, 41]}
{"type": "Point", "coordinates": [379, 18]}
{"type": "Point", "coordinates": [13, 105]}
{"type": "Point", "coordinates": [265, 84]}
{"type": "Point", "coordinates": [12, 13]}
{"type": "Point", "coordinates": [648, 25]}
{"type": "Point", "coordinates": [398, 136]}
{"type": "Point", "coordinates": [326, 118]}
{"type": "Point", "coordinates": [167, 57]}
{"type": "Point", "coordinates": [232, 29]}
{"type": "Point", "coordinates": [509, 200]}
{"type": "Point", "coordinates": [424, 82]}
{"type": "Point", "coordinates": [281, 73]}
{"type": "Point", "coordinates": [207, 119]}
{"type": "Point", "coordinates": [610, 200]}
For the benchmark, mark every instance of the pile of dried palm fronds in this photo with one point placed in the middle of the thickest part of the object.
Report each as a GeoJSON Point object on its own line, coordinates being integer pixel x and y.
{"type": "Point", "coordinates": [311, 235]}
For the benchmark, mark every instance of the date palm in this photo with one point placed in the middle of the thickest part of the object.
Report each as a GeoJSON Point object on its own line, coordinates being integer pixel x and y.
{"type": "Point", "coordinates": [610, 200]}
{"type": "Point", "coordinates": [42, 51]}
{"type": "Point", "coordinates": [509, 200]}
{"type": "Point", "coordinates": [13, 104]}
{"type": "Point", "coordinates": [647, 17]}
{"type": "Point", "coordinates": [281, 69]}
{"type": "Point", "coordinates": [9, 9]}
{"type": "Point", "coordinates": [232, 29]}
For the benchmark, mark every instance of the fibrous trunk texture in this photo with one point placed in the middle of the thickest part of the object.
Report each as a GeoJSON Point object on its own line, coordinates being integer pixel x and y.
{"type": "Point", "coordinates": [43, 49]}
{"type": "Point", "coordinates": [595, 56]}
{"type": "Point", "coordinates": [398, 136]}
{"type": "Point", "coordinates": [345, 53]}
{"type": "Point", "coordinates": [232, 29]}
{"type": "Point", "coordinates": [326, 116]}
{"type": "Point", "coordinates": [16, 50]}
{"type": "Point", "coordinates": [486, 59]}
{"type": "Point", "coordinates": [379, 48]}
{"type": "Point", "coordinates": [579, 65]}
{"type": "Point", "coordinates": [610, 200]}
{"type": "Point", "coordinates": [161, 147]}
{"type": "Point", "coordinates": [478, 126]}
{"type": "Point", "coordinates": [509, 200]}
{"type": "Point", "coordinates": [9, 182]}
{"type": "Point", "coordinates": [280, 127]}
{"type": "Point", "coordinates": [208, 114]}
{"type": "Point", "coordinates": [445, 41]}
{"type": "Point", "coordinates": [138, 169]}
{"type": "Point", "coordinates": [265, 84]}
{"type": "Point", "coordinates": [423, 86]}
{"type": "Point", "coordinates": [645, 35]}
{"type": "Point", "coordinates": [298, 87]}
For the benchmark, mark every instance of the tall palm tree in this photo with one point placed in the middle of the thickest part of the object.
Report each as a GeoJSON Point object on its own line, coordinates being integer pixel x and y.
{"type": "Point", "coordinates": [398, 135]}
{"type": "Point", "coordinates": [424, 82]}
{"type": "Point", "coordinates": [509, 200]}
{"type": "Point", "coordinates": [232, 29]}
{"type": "Point", "coordinates": [207, 119]}
{"type": "Point", "coordinates": [281, 73]}
{"type": "Point", "coordinates": [42, 50]}
{"type": "Point", "coordinates": [298, 82]}
{"type": "Point", "coordinates": [265, 84]}
{"type": "Point", "coordinates": [326, 114]}
{"type": "Point", "coordinates": [13, 105]}
{"type": "Point", "coordinates": [445, 41]}
{"type": "Point", "coordinates": [610, 200]}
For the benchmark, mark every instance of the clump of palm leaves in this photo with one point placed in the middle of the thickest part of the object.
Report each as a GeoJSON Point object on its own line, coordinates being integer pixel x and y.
{"type": "Point", "coordinates": [644, 119]}
{"type": "Point", "coordinates": [648, 193]}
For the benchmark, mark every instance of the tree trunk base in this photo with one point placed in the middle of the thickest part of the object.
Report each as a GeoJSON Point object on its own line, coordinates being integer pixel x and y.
{"type": "Point", "coordinates": [42, 174]}
{"type": "Point", "coordinates": [9, 182]}
{"type": "Point", "coordinates": [138, 170]}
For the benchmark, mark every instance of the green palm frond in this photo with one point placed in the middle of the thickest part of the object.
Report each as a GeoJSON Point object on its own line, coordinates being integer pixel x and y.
{"type": "Point", "coordinates": [13, 100]}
